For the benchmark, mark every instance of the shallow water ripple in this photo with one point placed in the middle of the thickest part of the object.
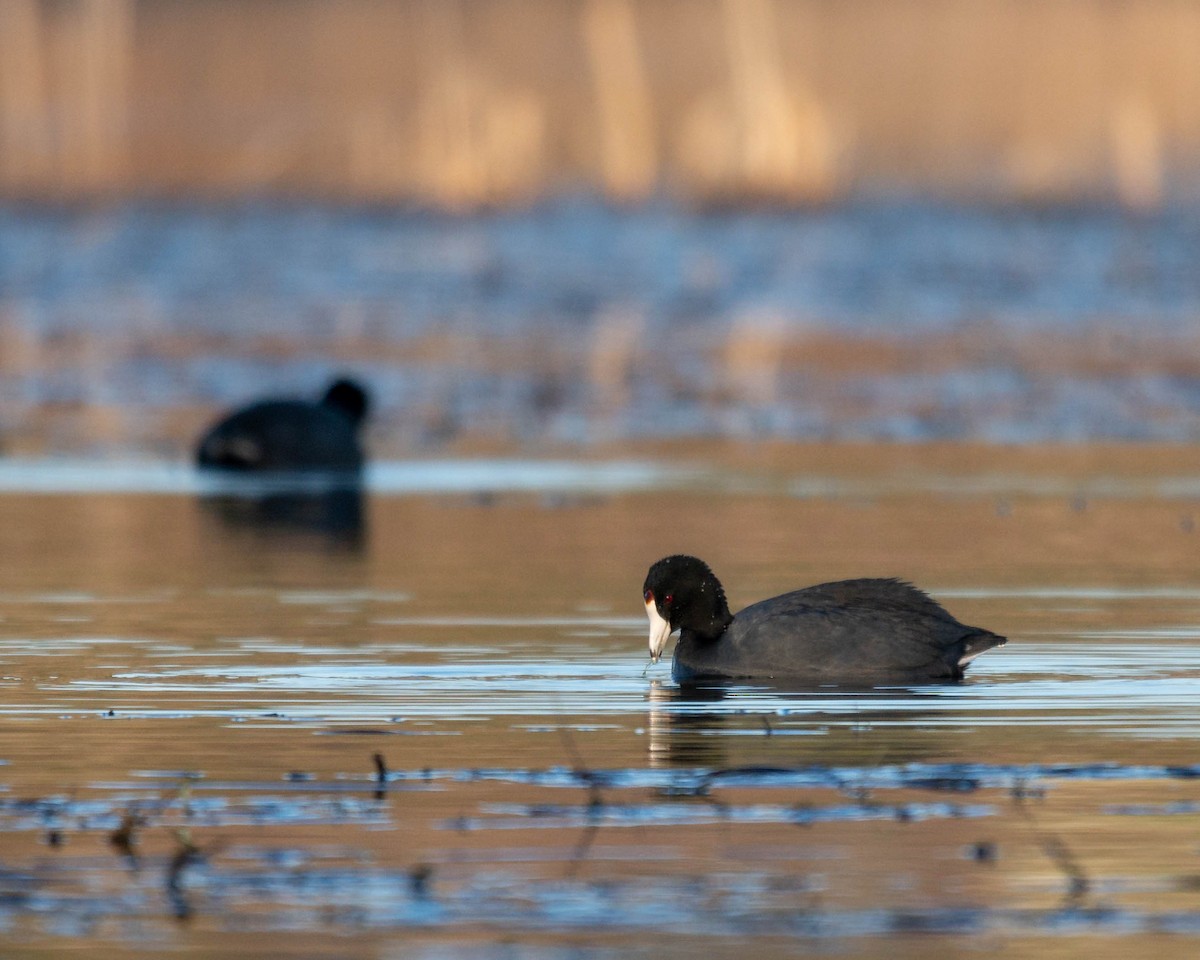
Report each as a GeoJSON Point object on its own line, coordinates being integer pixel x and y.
{"type": "Point", "coordinates": [213, 736]}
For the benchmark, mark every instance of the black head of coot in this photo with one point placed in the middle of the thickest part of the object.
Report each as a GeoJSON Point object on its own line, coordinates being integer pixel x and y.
{"type": "Point", "coordinates": [350, 397]}
{"type": "Point", "coordinates": [687, 595]}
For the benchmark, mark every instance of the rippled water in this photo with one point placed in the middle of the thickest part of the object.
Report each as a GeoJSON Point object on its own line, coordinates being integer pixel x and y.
{"type": "Point", "coordinates": [220, 732]}
{"type": "Point", "coordinates": [575, 322]}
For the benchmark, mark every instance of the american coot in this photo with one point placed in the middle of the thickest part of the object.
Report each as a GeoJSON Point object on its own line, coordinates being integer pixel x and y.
{"type": "Point", "coordinates": [286, 435]}
{"type": "Point", "coordinates": [849, 632]}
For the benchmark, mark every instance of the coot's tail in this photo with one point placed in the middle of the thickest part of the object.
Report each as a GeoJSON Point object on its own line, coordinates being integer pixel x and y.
{"type": "Point", "coordinates": [977, 642]}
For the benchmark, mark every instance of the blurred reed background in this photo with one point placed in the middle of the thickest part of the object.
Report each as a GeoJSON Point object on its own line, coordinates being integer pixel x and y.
{"type": "Point", "coordinates": [584, 220]}
{"type": "Point", "coordinates": [460, 103]}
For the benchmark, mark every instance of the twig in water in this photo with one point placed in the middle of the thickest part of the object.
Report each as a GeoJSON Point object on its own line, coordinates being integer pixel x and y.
{"type": "Point", "coordinates": [595, 802]}
{"type": "Point", "coordinates": [589, 777]}
{"type": "Point", "coordinates": [419, 878]}
{"type": "Point", "coordinates": [183, 796]}
{"type": "Point", "coordinates": [124, 838]}
{"type": "Point", "coordinates": [381, 776]}
{"type": "Point", "coordinates": [186, 853]}
{"type": "Point", "coordinates": [1060, 854]}
{"type": "Point", "coordinates": [579, 854]}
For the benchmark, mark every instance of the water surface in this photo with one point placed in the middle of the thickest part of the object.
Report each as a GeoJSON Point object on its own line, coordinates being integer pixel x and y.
{"type": "Point", "coordinates": [577, 322]}
{"type": "Point", "coordinates": [215, 686]}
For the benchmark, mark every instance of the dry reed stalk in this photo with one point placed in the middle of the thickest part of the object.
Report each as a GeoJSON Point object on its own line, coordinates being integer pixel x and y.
{"type": "Point", "coordinates": [377, 154]}
{"type": "Point", "coordinates": [96, 72]}
{"type": "Point", "coordinates": [1137, 154]}
{"type": "Point", "coordinates": [763, 136]}
{"type": "Point", "coordinates": [991, 97]}
{"type": "Point", "coordinates": [1062, 100]}
{"type": "Point", "coordinates": [768, 148]}
{"type": "Point", "coordinates": [515, 125]}
{"type": "Point", "coordinates": [24, 113]}
{"type": "Point", "coordinates": [477, 143]}
{"type": "Point", "coordinates": [268, 155]}
{"type": "Point", "coordinates": [448, 162]}
{"type": "Point", "coordinates": [628, 153]}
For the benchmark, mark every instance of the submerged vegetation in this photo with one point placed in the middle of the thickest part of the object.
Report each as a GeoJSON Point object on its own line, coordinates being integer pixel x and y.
{"type": "Point", "coordinates": [211, 848]}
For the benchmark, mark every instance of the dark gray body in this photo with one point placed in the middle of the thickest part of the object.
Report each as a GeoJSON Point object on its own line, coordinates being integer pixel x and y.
{"type": "Point", "coordinates": [283, 435]}
{"type": "Point", "coordinates": [849, 632]}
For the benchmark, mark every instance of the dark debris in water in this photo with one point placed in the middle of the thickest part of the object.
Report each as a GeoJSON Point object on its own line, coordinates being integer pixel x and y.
{"type": "Point", "coordinates": [1022, 780]}
{"type": "Point", "coordinates": [520, 816]}
{"type": "Point", "coordinates": [1153, 809]}
{"type": "Point", "coordinates": [346, 898]}
{"type": "Point", "coordinates": [180, 870]}
{"type": "Point", "coordinates": [123, 823]}
{"type": "Point", "coordinates": [188, 799]}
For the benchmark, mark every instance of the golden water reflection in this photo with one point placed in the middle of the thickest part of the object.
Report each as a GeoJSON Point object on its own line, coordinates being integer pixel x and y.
{"type": "Point", "coordinates": [230, 684]}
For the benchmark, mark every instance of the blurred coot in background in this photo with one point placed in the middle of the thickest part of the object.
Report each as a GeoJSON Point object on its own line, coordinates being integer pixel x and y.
{"type": "Point", "coordinates": [281, 435]}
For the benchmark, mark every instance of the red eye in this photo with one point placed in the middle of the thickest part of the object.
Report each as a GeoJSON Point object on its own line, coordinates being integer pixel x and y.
{"type": "Point", "coordinates": [648, 596]}
{"type": "Point", "coordinates": [670, 597]}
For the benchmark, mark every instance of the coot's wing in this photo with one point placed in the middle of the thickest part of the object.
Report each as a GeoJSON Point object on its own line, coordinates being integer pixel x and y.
{"type": "Point", "coordinates": [282, 435]}
{"type": "Point", "coordinates": [239, 441]}
{"type": "Point", "coordinates": [854, 627]}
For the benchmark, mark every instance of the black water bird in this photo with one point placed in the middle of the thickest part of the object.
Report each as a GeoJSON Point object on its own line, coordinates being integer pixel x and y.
{"type": "Point", "coordinates": [285, 435]}
{"type": "Point", "coordinates": [852, 632]}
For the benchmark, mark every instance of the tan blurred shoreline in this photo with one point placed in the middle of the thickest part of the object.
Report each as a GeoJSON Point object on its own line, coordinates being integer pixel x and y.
{"type": "Point", "coordinates": [467, 103]}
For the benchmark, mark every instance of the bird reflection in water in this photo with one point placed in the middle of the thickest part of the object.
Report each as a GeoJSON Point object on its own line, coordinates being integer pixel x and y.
{"type": "Point", "coordinates": [723, 724]}
{"type": "Point", "coordinates": [333, 517]}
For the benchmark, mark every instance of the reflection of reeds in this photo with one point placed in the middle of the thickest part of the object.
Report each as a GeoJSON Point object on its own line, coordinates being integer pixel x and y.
{"type": "Point", "coordinates": [616, 342]}
{"type": "Point", "coordinates": [754, 356]}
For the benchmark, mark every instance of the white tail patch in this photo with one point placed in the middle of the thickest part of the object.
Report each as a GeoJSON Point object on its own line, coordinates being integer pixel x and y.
{"type": "Point", "coordinates": [975, 649]}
